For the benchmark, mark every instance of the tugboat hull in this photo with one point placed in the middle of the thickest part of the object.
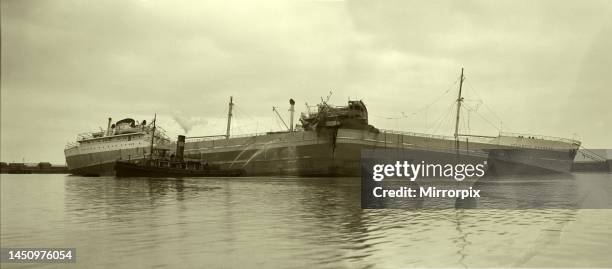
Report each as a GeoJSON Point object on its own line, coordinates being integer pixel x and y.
{"type": "Point", "coordinates": [130, 169]}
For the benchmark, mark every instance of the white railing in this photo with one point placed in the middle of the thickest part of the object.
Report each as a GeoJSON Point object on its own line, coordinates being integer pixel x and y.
{"type": "Point", "coordinates": [204, 138]}
{"type": "Point", "coordinates": [443, 137]}
{"type": "Point", "coordinates": [222, 137]}
{"type": "Point", "coordinates": [87, 135]}
{"type": "Point", "coordinates": [462, 137]}
{"type": "Point", "coordinates": [541, 137]}
{"type": "Point", "coordinates": [71, 145]}
{"type": "Point", "coordinates": [484, 138]}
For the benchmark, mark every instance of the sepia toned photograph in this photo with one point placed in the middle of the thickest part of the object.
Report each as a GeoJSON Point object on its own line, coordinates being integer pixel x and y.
{"type": "Point", "coordinates": [305, 134]}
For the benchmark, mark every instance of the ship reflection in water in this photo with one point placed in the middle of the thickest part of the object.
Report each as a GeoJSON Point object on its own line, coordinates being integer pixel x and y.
{"type": "Point", "coordinates": [286, 223]}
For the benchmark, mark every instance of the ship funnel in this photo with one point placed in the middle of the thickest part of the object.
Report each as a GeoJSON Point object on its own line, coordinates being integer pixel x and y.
{"type": "Point", "coordinates": [292, 110]}
{"type": "Point", "coordinates": [180, 147]}
{"type": "Point", "coordinates": [108, 127]}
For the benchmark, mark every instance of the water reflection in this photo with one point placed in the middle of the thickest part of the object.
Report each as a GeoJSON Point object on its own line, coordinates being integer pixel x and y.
{"type": "Point", "coordinates": [292, 220]}
{"type": "Point", "coordinates": [289, 223]}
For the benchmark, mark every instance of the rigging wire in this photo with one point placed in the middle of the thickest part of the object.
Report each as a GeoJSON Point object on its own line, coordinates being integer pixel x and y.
{"type": "Point", "coordinates": [485, 104]}
{"type": "Point", "coordinates": [258, 123]}
{"type": "Point", "coordinates": [438, 98]}
{"type": "Point", "coordinates": [448, 122]}
{"type": "Point", "coordinates": [485, 119]}
{"type": "Point", "coordinates": [214, 123]}
{"type": "Point", "coordinates": [425, 107]}
{"type": "Point", "coordinates": [464, 124]}
{"type": "Point", "coordinates": [442, 120]}
{"type": "Point", "coordinates": [439, 120]}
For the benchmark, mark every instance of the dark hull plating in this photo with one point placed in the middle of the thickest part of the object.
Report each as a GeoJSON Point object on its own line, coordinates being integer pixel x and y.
{"type": "Point", "coordinates": [101, 163]}
{"type": "Point", "coordinates": [308, 153]}
{"type": "Point", "coordinates": [129, 169]}
{"type": "Point", "coordinates": [333, 152]}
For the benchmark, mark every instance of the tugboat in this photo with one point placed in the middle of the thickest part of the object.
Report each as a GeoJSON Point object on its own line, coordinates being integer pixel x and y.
{"type": "Point", "coordinates": [162, 164]}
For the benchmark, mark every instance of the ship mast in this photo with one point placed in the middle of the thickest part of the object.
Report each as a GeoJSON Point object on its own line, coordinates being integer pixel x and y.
{"type": "Point", "coordinates": [459, 100]}
{"type": "Point", "coordinates": [152, 136]}
{"type": "Point", "coordinates": [229, 118]}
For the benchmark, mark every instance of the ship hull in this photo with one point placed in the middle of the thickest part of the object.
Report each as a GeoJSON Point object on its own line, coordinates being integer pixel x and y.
{"type": "Point", "coordinates": [132, 169]}
{"type": "Point", "coordinates": [96, 156]}
{"type": "Point", "coordinates": [530, 161]}
{"type": "Point", "coordinates": [287, 154]}
{"type": "Point", "coordinates": [96, 170]}
{"type": "Point", "coordinates": [338, 153]}
{"type": "Point", "coordinates": [101, 163]}
{"type": "Point", "coordinates": [332, 152]}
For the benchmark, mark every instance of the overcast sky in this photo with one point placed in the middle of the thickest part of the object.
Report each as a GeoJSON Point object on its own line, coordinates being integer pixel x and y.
{"type": "Point", "coordinates": [542, 67]}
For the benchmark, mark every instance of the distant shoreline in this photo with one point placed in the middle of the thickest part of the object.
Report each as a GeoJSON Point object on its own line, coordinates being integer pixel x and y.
{"type": "Point", "coordinates": [32, 168]}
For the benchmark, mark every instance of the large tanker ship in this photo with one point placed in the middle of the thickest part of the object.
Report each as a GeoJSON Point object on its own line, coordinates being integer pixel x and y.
{"type": "Point", "coordinates": [329, 142]}
{"type": "Point", "coordinates": [95, 153]}
{"type": "Point", "coordinates": [326, 142]}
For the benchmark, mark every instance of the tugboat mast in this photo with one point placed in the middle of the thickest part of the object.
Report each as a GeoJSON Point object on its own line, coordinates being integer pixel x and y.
{"type": "Point", "coordinates": [152, 136]}
{"type": "Point", "coordinates": [229, 118]}
{"type": "Point", "coordinates": [459, 100]}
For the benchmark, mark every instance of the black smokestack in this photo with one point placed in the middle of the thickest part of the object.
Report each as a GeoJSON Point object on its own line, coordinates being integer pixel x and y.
{"type": "Point", "coordinates": [180, 147]}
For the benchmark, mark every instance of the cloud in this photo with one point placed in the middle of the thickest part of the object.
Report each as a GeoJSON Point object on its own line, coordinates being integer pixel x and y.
{"type": "Point", "coordinates": [69, 65]}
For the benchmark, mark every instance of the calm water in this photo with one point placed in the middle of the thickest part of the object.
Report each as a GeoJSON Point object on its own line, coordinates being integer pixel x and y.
{"type": "Point", "coordinates": [282, 222]}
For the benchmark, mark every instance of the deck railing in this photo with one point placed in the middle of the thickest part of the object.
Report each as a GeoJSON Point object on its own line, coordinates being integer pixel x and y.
{"type": "Point", "coordinates": [222, 137]}
{"type": "Point", "coordinates": [70, 145]}
{"type": "Point", "coordinates": [541, 137]}
{"type": "Point", "coordinates": [418, 134]}
{"type": "Point", "coordinates": [424, 135]}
